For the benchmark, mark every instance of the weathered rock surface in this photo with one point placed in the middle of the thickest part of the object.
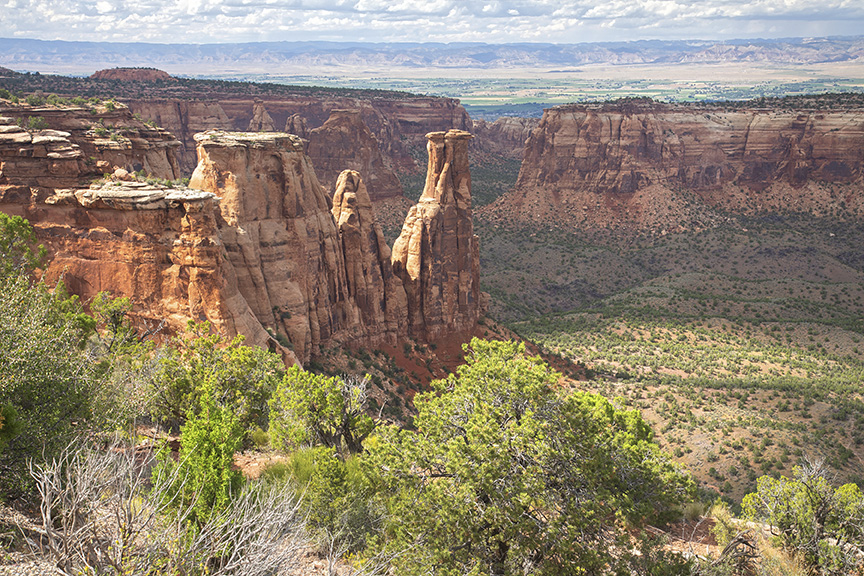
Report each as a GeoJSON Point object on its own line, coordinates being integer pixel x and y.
{"type": "Point", "coordinates": [345, 142]}
{"type": "Point", "coordinates": [135, 74]}
{"type": "Point", "coordinates": [261, 121]}
{"type": "Point", "coordinates": [377, 291]}
{"type": "Point", "coordinates": [279, 234]}
{"type": "Point", "coordinates": [184, 119]}
{"type": "Point", "coordinates": [398, 124]}
{"type": "Point", "coordinates": [159, 246]}
{"type": "Point", "coordinates": [322, 275]}
{"type": "Point", "coordinates": [437, 253]}
{"type": "Point", "coordinates": [657, 165]}
{"type": "Point", "coordinates": [78, 146]}
{"type": "Point", "coordinates": [296, 124]}
{"type": "Point", "coordinates": [505, 136]}
{"type": "Point", "coordinates": [255, 245]}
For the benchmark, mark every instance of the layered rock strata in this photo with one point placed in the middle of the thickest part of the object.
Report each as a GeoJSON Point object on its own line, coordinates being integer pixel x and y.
{"type": "Point", "coordinates": [397, 124]}
{"type": "Point", "coordinates": [437, 253]}
{"type": "Point", "coordinates": [344, 142]}
{"type": "Point", "coordinates": [279, 234]}
{"type": "Point", "coordinates": [47, 148]}
{"type": "Point", "coordinates": [505, 136]}
{"type": "Point", "coordinates": [322, 275]}
{"type": "Point", "coordinates": [256, 247]}
{"type": "Point", "coordinates": [656, 165]}
{"type": "Point", "coordinates": [158, 246]}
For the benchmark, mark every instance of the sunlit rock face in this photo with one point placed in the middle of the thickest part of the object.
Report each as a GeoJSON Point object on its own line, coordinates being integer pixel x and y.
{"type": "Point", "coordinates": [437, 253]}
{"type": "Point", "coordinates": [654, 165]}
{"type": "Point", "coordinates": [279, 234]}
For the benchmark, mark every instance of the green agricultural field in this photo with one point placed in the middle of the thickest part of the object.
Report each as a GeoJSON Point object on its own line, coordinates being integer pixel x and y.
{"type": "Point", "coordinates": [526, 91]}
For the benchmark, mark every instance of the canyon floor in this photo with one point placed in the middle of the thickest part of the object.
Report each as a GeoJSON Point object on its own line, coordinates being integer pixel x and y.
{"type": "Point", "coordinates": [740, 342]}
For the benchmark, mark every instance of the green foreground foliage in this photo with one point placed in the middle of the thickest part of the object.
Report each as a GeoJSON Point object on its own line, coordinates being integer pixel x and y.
{"type": "Point", "coordinates": [202, 364]}
{"type": "Point", "coordinates": [506, 474]}
{"type": "Point", "coordinates": [203, 480]}
{"type": "Point", "coordinates": [308, 409]}
{"type": "Point", "coordinates": [49, 388]}
{"type": "Point", "coordinates": [821, 525]}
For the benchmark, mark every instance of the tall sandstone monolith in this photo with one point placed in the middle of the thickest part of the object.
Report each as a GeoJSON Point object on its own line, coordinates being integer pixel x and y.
{"type": "Point", "coordinates": [261, 120]}
{"type": "Point", "coordinates": [279, 235]}
{"type": "Point", "coordinates": [376, 290]}
{"type": "Point", "coordinates": [254, 246]}
{"type": "Point", "coordinates": [437, 253]}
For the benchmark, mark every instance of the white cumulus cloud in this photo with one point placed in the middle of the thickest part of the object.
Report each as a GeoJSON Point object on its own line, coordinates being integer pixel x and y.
{"type": "Point", "coordinates": [207, 21]}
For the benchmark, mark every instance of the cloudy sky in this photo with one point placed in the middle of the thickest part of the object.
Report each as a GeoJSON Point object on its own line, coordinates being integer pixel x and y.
{"type": "Point", "coordinates": [205, 21]}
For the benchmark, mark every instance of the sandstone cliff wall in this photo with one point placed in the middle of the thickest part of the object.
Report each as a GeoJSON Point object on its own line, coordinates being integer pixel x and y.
{"type": "Point", "coordinates": [398, 125]}
{"type": "Point", "coordinates": [279, 234]}
{"type": "Point", "coordinates": [344, 142]}
{"type": "Point", "coordinates": [655, 164]}
{"type": "Point", "coordinates": [321, 273]}
{"type": "Point", "coordinates": [78, 145]}
{"type": "Point", "coordinates": [255, 245]}
{"type": "Point", "coordinates": [505, 136]}
{"type": "Point", "coordinates": [159, 246]}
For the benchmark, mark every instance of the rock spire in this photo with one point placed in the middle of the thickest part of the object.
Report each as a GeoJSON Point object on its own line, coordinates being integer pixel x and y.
{"type": "Point", "coordinates": [437, 253]}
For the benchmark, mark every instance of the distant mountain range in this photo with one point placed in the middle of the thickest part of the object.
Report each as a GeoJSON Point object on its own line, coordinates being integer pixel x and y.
{"type": "Point", "coordinates": [281, 57]}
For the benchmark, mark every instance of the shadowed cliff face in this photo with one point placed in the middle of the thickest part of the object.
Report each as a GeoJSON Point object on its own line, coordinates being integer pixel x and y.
{"type": "Point", "coordinates": [437, 253]}
{"type": "Point", "coordinates": [653, 165]}
{"type": "Point", "coordinates": [505, 136]}
{"type": "Point", "coordinates": [377, 291]}
{"type": "Point", "coordinates": [345, 143]}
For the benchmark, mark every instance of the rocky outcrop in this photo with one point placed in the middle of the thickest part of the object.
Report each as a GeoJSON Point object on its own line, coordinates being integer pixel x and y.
{"type": "Point", "coordinates": [255, 246]}
{"type": "Point", "coordinates": [376, 290]}
{"type": "Point", "coordinates": [158, 246]}
{"type": "Point", "coordinates": [345, 142]}
{"type": "Point", "coordinates": [132, 74]}
{"type": "Point", "coordinates": [47, 148]}
{"type": "Point", "coordinates": [505, 136]}
{"type": "Point", "coordinates": [279, 235]}
{"type": "Point", "coordinates": [296, 124]}
{"type": "Point", "coordinates": [658, 165]}
{"type": "Point", "coordinates": [437, 253]}
{"type": "Point", "coordinates": [320, 275]}
{"type": "Point", "coordinates": [398, 124]}
{"type": "Point", "coordinates": [261, 121]}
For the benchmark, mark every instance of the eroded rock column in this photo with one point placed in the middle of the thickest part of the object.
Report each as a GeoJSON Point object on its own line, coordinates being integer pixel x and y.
{"type": "Point", "coordinates": [279, 235]}
{"type": "Point", "coordinates": [437, 253]}
{"type": "Point", "coordinates": [377, 292]}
